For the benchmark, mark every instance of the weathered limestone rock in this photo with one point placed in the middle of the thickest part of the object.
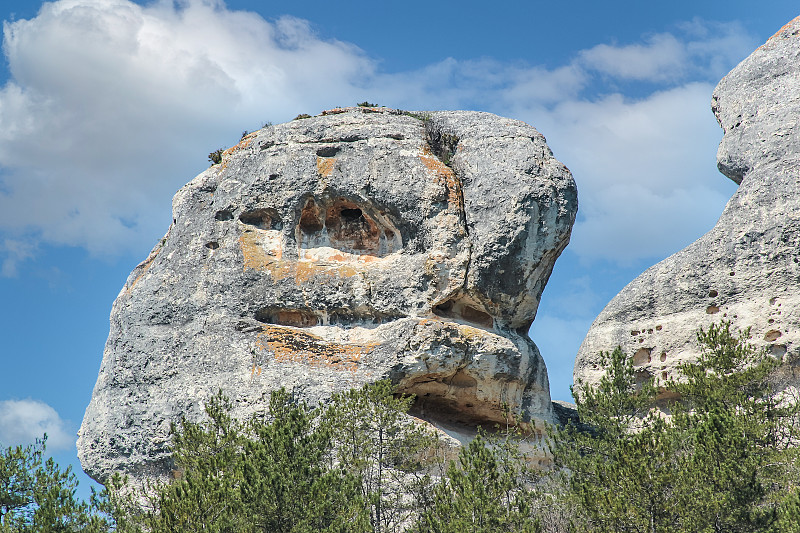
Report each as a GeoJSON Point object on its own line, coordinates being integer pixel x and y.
{"type": "Point", "coordinates": [747, 268]}
{"type": "Point", "coordinates": [328, 252]}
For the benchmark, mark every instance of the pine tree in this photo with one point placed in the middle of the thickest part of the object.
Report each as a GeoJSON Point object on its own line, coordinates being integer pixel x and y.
{"type": "Point", "coordinates": [36, 495]}
{"type": "Point", "coordinates": [268, 474]}
{"type": "Point", "coordinates": [484, 492]}
{"type": "Point", "coordinates": [376, 441]}
{"type": "Point", "coordinates": [619, 463]}
{"type": "Point", "coordinates": [723, 460]}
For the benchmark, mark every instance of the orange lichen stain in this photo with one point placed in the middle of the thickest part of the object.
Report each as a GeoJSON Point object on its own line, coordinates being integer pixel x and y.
{"type": "Point", "coordinates": [472, 333]}
{"type": "Point", "coordinates": [342, 257]}
{"type": "Point", "coordinates": [783, 29]}
{"type": "Point", "coordinates": [334, 111]}
{"type": "Point", "coordinates": [290, 345]}
{"type": "Point", "coordinates": [244, 143]}
{"type": "Point", "coordinates": [305, 270]}
{"type": "Point", "coordinates": [325, 165]}
{"type": "Point", "coordinates": [444, 176]}
{"type": "Point", "coordinates": [146, 264]}
{"type": "Point", "coordinates": [257, 258]}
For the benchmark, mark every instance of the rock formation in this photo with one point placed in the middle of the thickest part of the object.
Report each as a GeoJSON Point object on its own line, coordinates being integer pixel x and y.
{"type": "Point", "coordinates": [361, 244]}
{"type": "Point", "coordinates": [747, 268]}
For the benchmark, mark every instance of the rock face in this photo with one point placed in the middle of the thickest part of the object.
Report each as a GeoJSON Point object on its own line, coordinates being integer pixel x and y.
{"type": "Point", "coordinates": [747, 268]}
{"type": "Point", "coordinates": [328, 252]}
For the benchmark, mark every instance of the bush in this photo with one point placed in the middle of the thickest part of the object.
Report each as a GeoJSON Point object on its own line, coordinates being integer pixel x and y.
{"type": "Point", "coordinates": [216, 156]}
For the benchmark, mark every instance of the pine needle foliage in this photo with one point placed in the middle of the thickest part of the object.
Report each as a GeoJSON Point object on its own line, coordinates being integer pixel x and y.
{"type": "Point", "coordinates": [36, 495]}
{"type": "Point", "coordinates": [718, 457]}
{"type": "Point", "coordinates": [485, 491]}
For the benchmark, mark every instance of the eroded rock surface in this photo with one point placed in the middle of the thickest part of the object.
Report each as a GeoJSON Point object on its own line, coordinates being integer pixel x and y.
{"type": "Point", "coordinates": [332, 251]}
{"type": "Point", "coordinates": [747, 268]}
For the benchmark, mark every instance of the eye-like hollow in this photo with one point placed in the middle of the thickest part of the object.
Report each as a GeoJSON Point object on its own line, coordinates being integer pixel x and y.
{"type": "Point", "coordinates": [351, 231]}
{"type": "Point", "coordinates": [348, 227]}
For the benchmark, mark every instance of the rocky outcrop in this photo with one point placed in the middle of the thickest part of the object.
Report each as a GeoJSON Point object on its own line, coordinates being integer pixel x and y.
{"type": "Point", "coordinates": [747, 268]}
{"type": "Point", "coordinates": [361, 244]}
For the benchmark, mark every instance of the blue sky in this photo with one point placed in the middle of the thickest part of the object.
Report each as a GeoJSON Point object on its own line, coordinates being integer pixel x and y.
{"type": "Point", "coordinates": [107, 107]}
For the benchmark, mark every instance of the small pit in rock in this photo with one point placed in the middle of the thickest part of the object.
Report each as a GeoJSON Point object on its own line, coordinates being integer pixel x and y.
{"type": "Point", "coordinates": [223, 215]}
{"type": "Point", "coordinates": [262, 218]}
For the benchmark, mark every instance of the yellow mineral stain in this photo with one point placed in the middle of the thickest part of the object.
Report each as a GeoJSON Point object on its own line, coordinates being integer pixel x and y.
{"type": "Point", "coordinates": [147, 264]}
{"type": "Point", "coordinates": [325, 165]}
{"type": "Point", "coordinates": [244, 143]}
{"type": "Point", "coordinates": [290, 345]}
{"type": "Point", "coordinates": [444, 175]}
{"type": "Point", "coordinates": [256, 258]}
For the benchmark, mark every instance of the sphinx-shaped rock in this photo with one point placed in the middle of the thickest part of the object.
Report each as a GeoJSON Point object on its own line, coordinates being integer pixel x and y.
{"type": "Point", "coordinates": [337, 250]}
{"type": "Point", "coordinates": [747, 268]}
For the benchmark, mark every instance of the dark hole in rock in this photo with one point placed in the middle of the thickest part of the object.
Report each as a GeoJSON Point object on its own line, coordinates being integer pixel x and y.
{"type": "Point", "coordinates": [287, 317]}
{"type": "Point", "coordinates": [223, 215]}
{"type": "Point", "coordinates": [712, 293]}
{"type": "Point", "coordinates": [351, 230]}
{"type": "Point", "coordinates": [641, 377]}
{"type": "Point", "coordinates": [712, 309]}
{"type": "Point", "coordinates": [772, 335]}
{"type": "Point", "coordinates": [273, 176]}
{"type": "Point", "coordinates": [778, 350]}
{"type": "Point", "coordinates": [351, 215]}
{"type": "Point", "coordinates": [663, 356]}
{"type": "Point", "coordinates": [262, 218]}
{"type": "Point", "coordinates": [451, 400]}
{"type": "Point", "coordinates": [309, 219]}
{"type": "Point", "coordinates": [444, 308]}
{"type": "Point", "coordinates": [475, 315]}
{"type": "Point", "coordinates": [328, 151]}
{"type": "Point", "coordinates": [213, 245]}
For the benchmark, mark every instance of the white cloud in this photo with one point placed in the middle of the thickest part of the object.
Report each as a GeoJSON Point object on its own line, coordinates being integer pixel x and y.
{"type": "Point", "coordinates": [15, 253]}
{"type": "Point", "coordinates": [645, 169]}
{"type": "Point", "coordinates": [704, 49]}
{"type": "Point", "coordinates": [663, 57]}
{"type": "Point", "coordinates": [24, 421]}
{"type": "Point", "coordinates": [113, 106]}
